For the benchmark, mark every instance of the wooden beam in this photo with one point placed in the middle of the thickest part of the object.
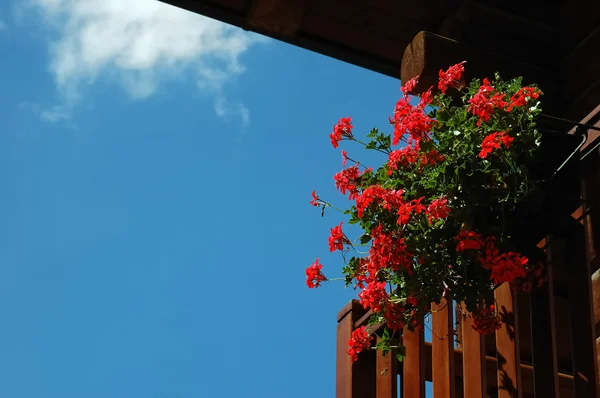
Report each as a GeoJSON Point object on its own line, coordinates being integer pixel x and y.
{"type": "Point", "coordinates": [429, 53]}
{"type": "Point", "coordinates": [282, 17]}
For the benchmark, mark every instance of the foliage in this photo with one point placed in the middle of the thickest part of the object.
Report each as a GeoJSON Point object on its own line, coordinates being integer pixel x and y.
{"type": "Point", "coordinates": [459, 159]}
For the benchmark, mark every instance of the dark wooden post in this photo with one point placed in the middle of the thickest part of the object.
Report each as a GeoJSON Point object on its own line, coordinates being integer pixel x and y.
{"type": "Point", "coordinates": [353, 379]}
{"type": "Point", "coordinates": [543, 335]}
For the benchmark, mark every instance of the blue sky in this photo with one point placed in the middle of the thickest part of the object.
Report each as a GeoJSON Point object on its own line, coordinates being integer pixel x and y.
{"type": "Point", "coordinates": [156, 170]}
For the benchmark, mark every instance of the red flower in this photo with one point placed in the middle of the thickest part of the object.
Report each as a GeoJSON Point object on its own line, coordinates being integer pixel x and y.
{"type": "Point", "coordinates": [452, 77]}
{"type": "Point", "coordinates": [486, 320]}
{"type": "Point", "coordinates": [412, 300]}
{"type": "Point", "coordinates": [342, 129]}
{"type": "Point", "coordinates": [337, 239]}
{"type": "Point", "coordinates": [344, 158]}
{"type": "Point", "coordinates": [360, 341]}
{"type": "Point", "coordinates": [314, 276]}
{"type": "Point", "coordinates": [408, 208]}
{"type": "Point", "coordinates": [346, 181]}
{"type": "Point", "coordinates": [394, 316]}
{"type": "Point", "coordinates": [402, 157]}
{"type": "Point", "coordinates": [493, 141]}
{"type": "Point", "coordinates": [507, 267]}
{"type": "Point", "coordinates": [410, 85]}
{"type": "Point", "coordinates": [315, 199]}
{"type": "Point", "coordinates": [372, 194]}
{"type": "Point", "coordinates": [490, 253]}
{"type": "Point", "coordinates": [388, 251]}
{"type": "Point", "coordinates": [483, 103]}
{"type": "Point", "coordinates": [411, 120]}
{"type": "Point", "coordinates": [374, 296]}
{"type": "Point", "coordinates": [437, 210]}
{"type": "Point", "coordinates": [521, 97]}
{"type": "Point", "coordinates": [468, 240]}
{"type": "Point", "coordinates": [426, 99]}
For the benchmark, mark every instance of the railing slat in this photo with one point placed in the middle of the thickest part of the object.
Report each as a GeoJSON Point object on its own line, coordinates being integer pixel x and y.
{"type": "Point", "coordinates": [353, 380]}
{"type": "Point", "coordinates": [474, 361]}
{"type": "Point", "coordinates": [387, 375]}
{"type": "Point", "coordinates": [413, 373]}
{"type": "Point", "coordinates": [507, 344]}
{"type": "Point", "coordinates": [543, 335]}
{"type": "Point", "coordinates": [442, 350]}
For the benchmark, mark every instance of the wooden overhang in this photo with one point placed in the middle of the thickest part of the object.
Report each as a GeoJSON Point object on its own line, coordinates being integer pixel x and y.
{"type": "Point", "coordinates": [553, 43]}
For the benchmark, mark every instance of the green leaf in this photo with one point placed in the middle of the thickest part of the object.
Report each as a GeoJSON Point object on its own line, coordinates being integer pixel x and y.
{"type": "Point", "coordinates": [373, 133]}
{"type": "Point", "coordinates": [365, 239]}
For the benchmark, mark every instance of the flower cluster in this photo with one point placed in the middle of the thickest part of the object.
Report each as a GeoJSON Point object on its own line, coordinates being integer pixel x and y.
{"type": "Point", "coordinates": [432, 215]}
{"type": "Point", "coordinates": [359, 342]}
{"type": "Point", "coordinates": [493, 141]}
{"type": "Point", "coordinates": [314, 276]}
{"type": "Point", "coordinates": [486, 320]}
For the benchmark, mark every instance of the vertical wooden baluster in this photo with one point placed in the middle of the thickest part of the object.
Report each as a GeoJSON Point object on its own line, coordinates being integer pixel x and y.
{"type": "Point", "coordinates": [507, 344]}
{"type": "Point", "coordinates": [413, 374]}
{"type": "Point", "coordinates": [474, 362]}
{"type": "Point", "coordinates": [442, 350]}
{"type": "Point", "coordinates": [387, 375]}
{"type": "Point", "coordinates": [353, 380]}
{"type": "Point", "coordinates": [543, 334]}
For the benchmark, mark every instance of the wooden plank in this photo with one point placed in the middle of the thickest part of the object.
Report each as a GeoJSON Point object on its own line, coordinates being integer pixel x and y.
{"type": "Point", "coordinates": [474, 363]}
{"type": "Point", "coordinates": [507, 344]}
{"type": "Point", "coordinates": [353, 379]}
{"type": "Point", "coordinates": [543, 336]}
{"type": "Point", "coordinates": [387, 375]}
{"type": "Point", "coordinates": [442, 350]}
{"type": "Point", "coordinates": [413, 366]}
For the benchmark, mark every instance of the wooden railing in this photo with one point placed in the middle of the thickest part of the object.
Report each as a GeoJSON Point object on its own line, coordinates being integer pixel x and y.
{"type": "Point", "coordinates": [546, 347]}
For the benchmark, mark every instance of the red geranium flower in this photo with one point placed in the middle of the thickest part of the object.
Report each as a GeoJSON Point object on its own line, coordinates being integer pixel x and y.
{"type": "Point", "coordinates": [337, 239]}
{"type": "Point", "coordinates": [346, 181]}
{"type": "Point", "coordinates": [483, 103]}
{"type": "Point", "coordinates": [438, 209]}
{"type": "Point", "coordinates": [452, 77]}
{"type": "Point", "coordinates": [468, 240]}
{"type": "Point", "coordinates": [342, 129]}
{"type": "Point", "coordinates": [315, 199]}
{"type": "Point", "coordinates": [410, 85]}
{"type": "Point", "coordinates": [521, 97]}
{"type": "Point", "coordinates": [493, 141]}
{"type": "Point", "coordinates": [314, 276]}
{"type": "Point", "coordinates": [359, 342]}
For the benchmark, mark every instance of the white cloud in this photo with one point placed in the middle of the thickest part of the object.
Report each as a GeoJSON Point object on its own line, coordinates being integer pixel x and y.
{"type": "Point", "coordinates": [139, 44]}
{"type": "Point", "coordinates": [55, 114]}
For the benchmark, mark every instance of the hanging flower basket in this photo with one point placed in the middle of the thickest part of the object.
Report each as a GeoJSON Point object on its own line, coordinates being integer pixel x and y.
{"type": "Point", "coordinates": [465, 180]}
